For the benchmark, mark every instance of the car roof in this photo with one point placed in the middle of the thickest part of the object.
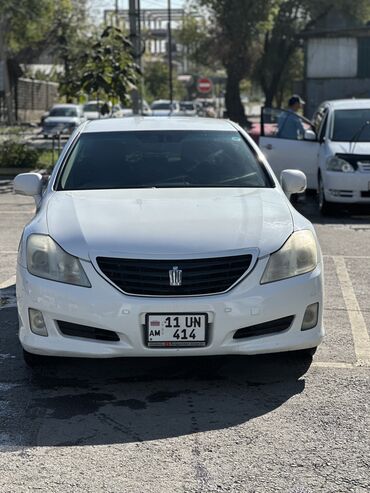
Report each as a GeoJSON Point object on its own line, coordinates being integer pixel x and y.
{"type": "Point", "coordinates": [66, 105]}
{"type": "Point", "coordinates": [139, 123]}
{"type": "Point", "coordinates": [346, 104]}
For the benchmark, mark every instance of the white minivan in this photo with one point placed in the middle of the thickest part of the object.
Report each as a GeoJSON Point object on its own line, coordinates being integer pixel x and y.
{"type": "Point", "coordinates": [333, 151]}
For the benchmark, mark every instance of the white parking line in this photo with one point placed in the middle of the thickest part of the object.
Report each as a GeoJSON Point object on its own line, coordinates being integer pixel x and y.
{"type": "Point", "coordinates": [29, 211]}
{"type": "Point", "coordinates": [360, 334]}
{"type": "Point", "coordinates": [348, 256]}
{"type": "Point", "coordinates": [8, 252]}
{"type": "Point", "coordinates": [332, 364]}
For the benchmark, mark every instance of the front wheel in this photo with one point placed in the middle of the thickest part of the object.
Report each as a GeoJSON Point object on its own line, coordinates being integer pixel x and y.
{"type": "Point", "coordinates": [326, 208]}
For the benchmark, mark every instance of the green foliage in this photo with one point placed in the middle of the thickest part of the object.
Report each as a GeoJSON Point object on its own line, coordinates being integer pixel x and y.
{"type": "Point", "coordinates": [110, 71]}
{"type": "Point", "coordinates": [198, 42]}
{"type": "Point", "coordinates": [15, 154]}
{"type": "Point", "coordinates": [281, 61]}
{"type": "Point", "coordinates": [73, 40]}
{"type": "Point", "coordinates": [236, 26]}
{"type": "Point", "coordinates": [25, 22]}
{"type": "Point", "coordinates": [102, 67]}
{"type": "Point", "coordinates": [156, 82]}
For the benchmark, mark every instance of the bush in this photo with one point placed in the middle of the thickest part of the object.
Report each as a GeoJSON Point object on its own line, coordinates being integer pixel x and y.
{"type": "Point", "coordinates": [14, 154]}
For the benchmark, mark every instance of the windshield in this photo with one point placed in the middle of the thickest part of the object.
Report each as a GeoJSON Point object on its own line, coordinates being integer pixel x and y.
{"type": "Point", "coordinates": [92, 107]}
{"type": "Point", "coordinates": [187, 106]}
{"type": "Point", "coordinates": [161, 106]}
{"type": "Point", "coordinates": [348, 123]}
{"type": "Point", "coordinates": [63, 112]}
{"type": "Point", "coordinates": [162, 159]}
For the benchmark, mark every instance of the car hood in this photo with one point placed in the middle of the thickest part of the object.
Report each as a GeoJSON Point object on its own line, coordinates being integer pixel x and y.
{"type": "Point", "coordinates": [350, 147]}
{"type": "Point", "coordinates": [61, 119]}
{"type": "Point", "coordinates": [169, 223]}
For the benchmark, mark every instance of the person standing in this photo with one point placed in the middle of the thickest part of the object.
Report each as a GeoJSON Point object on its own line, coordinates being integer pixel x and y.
{"type": "Point", "coordinates": [289, 124]}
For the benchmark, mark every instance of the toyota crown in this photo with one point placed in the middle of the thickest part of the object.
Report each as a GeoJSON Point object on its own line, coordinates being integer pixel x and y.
{"type": "Point", "coordinates": [166, 237]}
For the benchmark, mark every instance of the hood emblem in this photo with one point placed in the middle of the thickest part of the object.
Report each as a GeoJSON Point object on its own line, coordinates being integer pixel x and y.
{"type": "Point", "coordinates": [175, 275]}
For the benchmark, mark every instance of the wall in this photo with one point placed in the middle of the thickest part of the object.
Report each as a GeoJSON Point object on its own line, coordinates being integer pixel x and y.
{"type": "Point", "coordinates": [34, 98]}
{"type": "Point", "coordinates": [332, 57]}
{"type": "Point", "coordinates": [319, 90]}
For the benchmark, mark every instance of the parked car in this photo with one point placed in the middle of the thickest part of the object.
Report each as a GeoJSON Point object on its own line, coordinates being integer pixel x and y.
{"type": "Point", "coordinates": [166, 237]}
{"type": "Point", "coordinates": [333, 152]}
{"type": "Point", "coordinates": [163, 107]}
{"type": "Point", "coordinates": [188, 108]}
{"type": "Point", "coordinates": [120, 111]}
{"type": "Point", "coordinates": [63, 118]}
{"type": "Point", "coordinates": [97, 109]}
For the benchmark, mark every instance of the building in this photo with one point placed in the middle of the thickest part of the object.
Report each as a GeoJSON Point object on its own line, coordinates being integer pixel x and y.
{"type": "Point", "coordinates": [337, 61]}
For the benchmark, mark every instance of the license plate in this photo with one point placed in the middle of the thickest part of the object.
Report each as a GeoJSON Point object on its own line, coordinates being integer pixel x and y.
{"type": "Point", "coordinates": [176, 329]}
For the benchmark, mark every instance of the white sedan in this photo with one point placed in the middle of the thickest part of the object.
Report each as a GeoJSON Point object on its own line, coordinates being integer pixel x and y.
{"type": "Point", "coordinates": [166, 237]}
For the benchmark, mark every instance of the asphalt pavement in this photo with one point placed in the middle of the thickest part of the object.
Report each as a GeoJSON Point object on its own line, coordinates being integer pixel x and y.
{"type": "Point", "coordinates": [261, 424]}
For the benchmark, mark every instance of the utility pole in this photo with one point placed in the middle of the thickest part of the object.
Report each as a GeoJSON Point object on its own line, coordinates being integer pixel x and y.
{"type": "Point", "coordinates": [116, 12]}
{"type": "Point", "coordinates": [134, 18]}
{"type": "Point", "coordinates": [170, 83]}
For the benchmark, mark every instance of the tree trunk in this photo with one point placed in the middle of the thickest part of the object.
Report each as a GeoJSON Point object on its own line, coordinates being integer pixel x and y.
{"type": "Point", "coordinates": [269, 97]}
{"type": "Point", "coordinates": [234, 106]}
{"type": "Point", "coordinates": [6, 80]}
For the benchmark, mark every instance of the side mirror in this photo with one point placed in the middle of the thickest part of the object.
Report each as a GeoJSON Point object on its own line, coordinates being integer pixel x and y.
{"type": "Point", "coordinates": [309, 135]}
{"type": "Point", "coordinates": [293, 181]}
{"type": "Point", "coordinates": [29, 184]}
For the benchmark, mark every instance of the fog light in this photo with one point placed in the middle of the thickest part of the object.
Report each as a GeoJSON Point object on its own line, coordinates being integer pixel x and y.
{"type": "Point", "coordinates": [311, 316]}
{"type": "Point", "coordinates": [37, 323]}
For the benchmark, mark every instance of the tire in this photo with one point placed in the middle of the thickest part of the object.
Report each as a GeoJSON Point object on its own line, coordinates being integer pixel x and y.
{"type": "Point", "coordinates": [326, 208]}
{"type": "Point", "coordinates": [34, 360]}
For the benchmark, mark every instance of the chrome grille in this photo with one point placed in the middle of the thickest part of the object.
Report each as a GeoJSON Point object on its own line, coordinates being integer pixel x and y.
{"type": "Point", "coordinates": [364, 167]}
{"type": "Point", "coordinates": [152, 277]}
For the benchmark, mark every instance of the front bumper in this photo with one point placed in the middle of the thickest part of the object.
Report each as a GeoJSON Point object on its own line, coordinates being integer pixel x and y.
{"type": "Point", "coordinates": [103, 306]}
{"type": "Point", "coordinates": [347, 188]}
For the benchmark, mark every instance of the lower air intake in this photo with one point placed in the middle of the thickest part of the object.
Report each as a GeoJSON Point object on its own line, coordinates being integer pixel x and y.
{"type": "Point", "coordinates": [76, 330]}
{"type": "Point", "coordinates": [272, 327]}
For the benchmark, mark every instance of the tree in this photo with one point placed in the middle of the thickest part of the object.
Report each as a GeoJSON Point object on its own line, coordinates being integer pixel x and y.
{"type": "Point", "coordinates": [22, 24]}
{"type": "Point", "coordinates": [25, 22]}
{"type": "Point", "coordinates": [156, 82]}
{"type": "Point", "coordinates": [280, 53]}
{"type": "Point", "coordinates": [109, 67]}
{"type": "Point", "coordinates": [237, 27]}
{"type": "Point", "coordinates": [72, 40]}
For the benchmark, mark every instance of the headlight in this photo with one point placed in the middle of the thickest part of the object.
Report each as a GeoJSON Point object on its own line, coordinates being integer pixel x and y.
{"type": "Point", "coordinates": [335, 163]}
{"type": "Point", "coordinates": [47, 259]}
{"type": "Point", "coordinates": [297, 256]}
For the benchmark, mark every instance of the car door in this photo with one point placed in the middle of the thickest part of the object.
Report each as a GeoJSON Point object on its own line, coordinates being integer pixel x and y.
{"type": "Point", "coordinates": [289, 151]}
{"type": "Point", "coordinates": [323, 125]}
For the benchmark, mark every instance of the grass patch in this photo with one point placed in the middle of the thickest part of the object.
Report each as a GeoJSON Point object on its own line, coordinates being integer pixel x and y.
{"type": "Point", "coordinates": [45, 160]}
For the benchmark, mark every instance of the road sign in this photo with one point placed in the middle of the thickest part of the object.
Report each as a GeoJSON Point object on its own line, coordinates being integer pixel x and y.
{"type": "Point", "coordinates": [204, 85]}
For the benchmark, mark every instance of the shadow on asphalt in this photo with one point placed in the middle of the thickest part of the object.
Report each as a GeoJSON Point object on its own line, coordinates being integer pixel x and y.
{"type": "Point", "coordinates": [307, 205]}
{"type": "Point", "coordinates": [93, 402]}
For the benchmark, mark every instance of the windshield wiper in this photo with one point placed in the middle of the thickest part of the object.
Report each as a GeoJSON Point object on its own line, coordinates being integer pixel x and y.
{"type": "Point", "coordinates": [358, 132]}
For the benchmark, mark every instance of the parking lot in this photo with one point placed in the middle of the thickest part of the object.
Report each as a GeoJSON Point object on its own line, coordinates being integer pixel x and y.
{"type": "Point", "coordinates": [249, 424]}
